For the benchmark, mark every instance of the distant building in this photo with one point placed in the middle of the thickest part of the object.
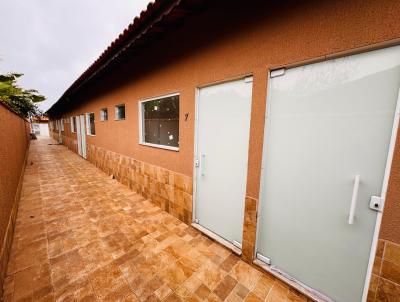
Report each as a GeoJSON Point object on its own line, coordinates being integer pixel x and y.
{"type": "Point", "coordinates": [40, 126]}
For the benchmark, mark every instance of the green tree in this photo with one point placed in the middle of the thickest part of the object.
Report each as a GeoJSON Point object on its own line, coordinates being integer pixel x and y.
{"type": "Point", "coordinates": [21, 100]}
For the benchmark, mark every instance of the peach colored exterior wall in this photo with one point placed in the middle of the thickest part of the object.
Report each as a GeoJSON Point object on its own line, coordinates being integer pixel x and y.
{"type": "Point", "coordinates": [268, 37]}
{"type": "Point", "coordinates": [214, 46]}
{"type": "Point", "coordinates": [14, 143]}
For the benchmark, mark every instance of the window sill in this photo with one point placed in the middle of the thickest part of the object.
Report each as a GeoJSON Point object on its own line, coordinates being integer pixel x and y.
{"type": "Point", "coordinates": [103, 120]}
{"type": "Point", "coordinates": [119, 119]}
{"type": "Point", "coordinates": [176, 149]}
{"type": "Point", "coordinates": [90, 134]}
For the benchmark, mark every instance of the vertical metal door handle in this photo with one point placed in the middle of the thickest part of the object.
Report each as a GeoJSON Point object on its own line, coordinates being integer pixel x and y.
{"type": "Point", "coordinates": [354, 198]}
{"type": "Point", "coordinates": [203, 164]}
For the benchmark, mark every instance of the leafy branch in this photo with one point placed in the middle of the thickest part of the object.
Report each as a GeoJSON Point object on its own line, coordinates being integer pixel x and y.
{"type": "Point", "coordinates": [21, 100]}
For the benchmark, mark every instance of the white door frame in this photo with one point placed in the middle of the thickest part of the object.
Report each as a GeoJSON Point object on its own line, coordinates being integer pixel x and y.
{"type": "Point", "coordinates": [59, 132]}
{"type": "Point", "coordinates": [295, 283]}
{"type": "Point", "coordinates": [237, 250]}
{"type": "Point", "coordinates": [78, 134]}
{"type": "Point", "coordinates": [81, 135]}
{"type": "Point", "coordinates": [385, 186]}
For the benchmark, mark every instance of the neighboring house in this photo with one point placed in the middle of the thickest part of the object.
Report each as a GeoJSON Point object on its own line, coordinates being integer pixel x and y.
{"type": "Point", "coordinates": [40, 125]}
{"type": "Point", "coordinates": [268, 125]}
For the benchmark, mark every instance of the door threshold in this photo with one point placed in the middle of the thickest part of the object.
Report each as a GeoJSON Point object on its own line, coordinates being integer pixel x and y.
{"type": "Point", "coordinates": [217, 238]}
{"type": "Point", "coordinates": [305, 290]}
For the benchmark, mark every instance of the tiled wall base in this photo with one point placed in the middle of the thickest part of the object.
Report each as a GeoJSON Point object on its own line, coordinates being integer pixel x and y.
{"type": "Point", "coordinates": [385, 279]}
{"type": "Point", "coordinates": [169, 190]}
{"type": "Point", "coordinates": [54, 135]}
{"type": "Point", "coordinates": [249, 229]}
{"type": "Point", "coordinates": [72, 144]}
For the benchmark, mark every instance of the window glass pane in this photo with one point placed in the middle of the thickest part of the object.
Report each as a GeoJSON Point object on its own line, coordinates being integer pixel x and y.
{"type": "Point", "coordinates": [92, 130]}
{"type": "Point", "coordinates": [74, 123]}
{"type": "Point", "coordinates": [120, 112]}
{"type": "Point", "coordinates": [104, 114]}
{"type": "Point", "coordinates": [161, 121]}
{"type": "Point", "coordinates": [91, 124]}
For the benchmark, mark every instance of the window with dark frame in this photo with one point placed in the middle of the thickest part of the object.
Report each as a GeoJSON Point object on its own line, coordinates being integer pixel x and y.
{"type": "Point", "coordinates": [120, 112]}
{"type": "Point", "coordinates": [104, 114]}
{"type": "Point", "coordinates": [73, 124]}
{"type": "Point", "coordinates": [90, 123]}
{"type": "Point", "coordinates": [160, 121]}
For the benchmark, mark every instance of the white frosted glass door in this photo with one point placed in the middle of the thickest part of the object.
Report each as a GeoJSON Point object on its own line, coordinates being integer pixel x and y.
{"type": "Point", "coordinates": [59, 131]}
{"type": "Point", "coordinates": [326, 123]}
{"type": "Point", "coordinates": [81, 135]}
{"type": "Point", "coordinates": [78, 135]}
{"type": "Point", "coordinates": [223, 127]}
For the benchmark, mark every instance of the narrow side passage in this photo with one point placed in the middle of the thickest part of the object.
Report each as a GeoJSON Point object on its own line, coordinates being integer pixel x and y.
{"type": "Point", "coordinates": [83, 236]}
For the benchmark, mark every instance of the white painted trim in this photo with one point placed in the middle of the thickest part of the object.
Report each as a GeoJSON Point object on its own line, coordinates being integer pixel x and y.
{"type": "Point", "coordinates": [276, 72]}
{"type": "Point", "coordinates": [140, 119]}
{"type": "Point", "coordinates": [160, 146]}
{"type": "Point", "coordinates": [88, 123]}
{"type": "Point", "coordinates": [196, 151]}
{"type": "Point", "coordinates": [385, 184]}
{"type": "Point", "coordinates": [262, 173]}
{"type": "Point", "coordinates": [79, 134]}
{"type": "Point", "coordinates": [72, 124]}
{"type": "Point", "coordinates": [217, 238]}
{"type": "Point", "coordinates": [82, 122]}
{"type": "Point", "coordinates": [295, 285]}
{"type": "Point", "coordinates": [159, 97]}
{"type": "Point", "coordinates": [245, 77]}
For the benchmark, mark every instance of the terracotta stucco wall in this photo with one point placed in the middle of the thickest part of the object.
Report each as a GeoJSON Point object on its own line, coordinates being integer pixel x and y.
{"type": "Point", "coordinates": [230, 40]}
{"type": "Point", "coordinates": [14, 143]}
{"type": "Point", "coordinates": [248, 39]}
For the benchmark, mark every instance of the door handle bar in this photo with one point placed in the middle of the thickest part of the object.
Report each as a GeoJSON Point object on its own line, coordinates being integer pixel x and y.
{"type": "Point", "coordinates": [354, 198]}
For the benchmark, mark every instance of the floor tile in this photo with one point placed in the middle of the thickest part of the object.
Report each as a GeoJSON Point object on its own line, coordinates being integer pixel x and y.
{"type": "Point", "coordinates": [82, 236]}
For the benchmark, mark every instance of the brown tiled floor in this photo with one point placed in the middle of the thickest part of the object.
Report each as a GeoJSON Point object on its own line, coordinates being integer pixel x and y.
{"type": "Point", "coordinates": [83, 236]}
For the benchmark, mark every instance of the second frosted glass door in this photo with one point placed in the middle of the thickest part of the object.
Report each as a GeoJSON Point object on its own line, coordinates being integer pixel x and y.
{"type": "Point", "coordinates": [326, 123]}
{"type": "Point", "coordinates": [81, 135]}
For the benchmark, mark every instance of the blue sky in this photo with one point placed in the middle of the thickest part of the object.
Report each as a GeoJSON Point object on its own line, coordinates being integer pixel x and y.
{"type": "Point", "coordinates": [53, 41]}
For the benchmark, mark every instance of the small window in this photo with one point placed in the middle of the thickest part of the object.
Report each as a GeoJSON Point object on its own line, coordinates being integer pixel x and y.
{"type": "Point", "coordinates": [73, 124]}
{"type": "Point", "coordinates": [104, 114]}
{"type": "Point", "coordinates": [160, 122]}
{"type": "Point", "coordinates": [120, 112]}
{"type": "Point", "coordinates": [90, 124]}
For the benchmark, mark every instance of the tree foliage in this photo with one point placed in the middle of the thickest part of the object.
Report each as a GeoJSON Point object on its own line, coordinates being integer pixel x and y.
{"type": "Point", "coordinates": [21, 100]}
